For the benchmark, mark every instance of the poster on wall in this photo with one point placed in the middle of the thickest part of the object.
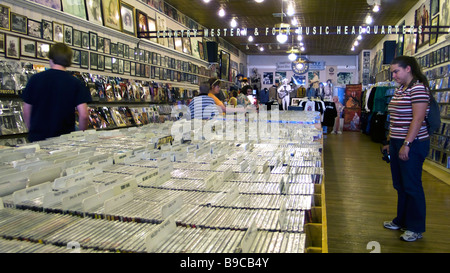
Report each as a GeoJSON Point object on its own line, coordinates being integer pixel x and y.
{"type": "Point", "coordinates": [268, 78]}
{"type": "Point", "coordinates": [352, 110]}
{"type": "Point", "coordinates": [75, 7]}
{"type": "Point", "coordinates": [224, 65]}
{"type": "Point", "coordinates": [280, 76]}
{"type": "Point", "coordinates": [445, 13]}
{"type": "Point", "coordinates": [344, 78]}
{"type": "Point", "coordinates": [423, 18]}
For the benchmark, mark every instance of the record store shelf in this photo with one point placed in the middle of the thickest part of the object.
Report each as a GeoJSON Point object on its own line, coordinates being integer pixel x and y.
{"type": "Point", "coordinates": [119, 191]}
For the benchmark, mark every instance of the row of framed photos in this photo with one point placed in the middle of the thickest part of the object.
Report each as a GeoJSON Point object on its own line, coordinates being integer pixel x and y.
{"type": "Point", "coordinates": [15, 47]}
{"type": "Point", "coordinates": [62, 33]}
{"type": "Point", "coordinates": [437, 57]}
{"type": "Point", "coordinates": [133, 21]}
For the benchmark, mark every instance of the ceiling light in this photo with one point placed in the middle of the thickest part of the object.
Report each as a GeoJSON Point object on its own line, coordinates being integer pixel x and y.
{"type": "Point", "coordinates": [247, 47]}
{"type": "Point", "coordinates": [282, 38]}
{"type": "Point", "coordinates": [250, 38]}
{"type": "Point", "coordinates": [376, 8]}
{"type": "Point", "coordinates": [301, 44]}
{"type": "Point", "coordinates": [369, 19]}
{"type": "Point", "coordinates": [300, 37]}
{"type": "Point", "coordinates": [290, 10]}
{"type": "Point", "coordinates": [233, 23]}
{"type": "Point", "coordinates": [356, 43]}
{"type": "Point", "coordinates": [221, 12]}
{"type": "Point", "coordinates": [294, 21]}
{"type": "Point", "coordinates": [359, 37]}
{"type": "Point", "coordinates": [206, 1]}
{"type": "Point", "coordinates": [259, 1]}
{"type": "Point", "coordinates": [353, 48]}
{"type": "Point", "coordinates": [302, 48]}
{"type": "Point", "coordinates": [261, 48]}
{"type": "Point", "coordinates": [292, 57]}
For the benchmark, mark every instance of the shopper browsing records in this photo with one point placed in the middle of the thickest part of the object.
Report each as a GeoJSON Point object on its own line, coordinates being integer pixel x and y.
{"type": "Point", "coordinates": [233, 100]}
{"type": "Point", "coordinates": [51, 97]}
{"type": "Point", "coordinates": [242, 98]}
{"type": "Point", "coordinates": [203, 106]}
{"type": "Point", "coordinates": [408, 144]}
{"type": "Point", "coordinates": [214, 90]}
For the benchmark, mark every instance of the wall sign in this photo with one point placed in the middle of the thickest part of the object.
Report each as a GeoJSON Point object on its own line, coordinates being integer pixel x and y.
{"type": "Point", "coordinates": [300, 66]}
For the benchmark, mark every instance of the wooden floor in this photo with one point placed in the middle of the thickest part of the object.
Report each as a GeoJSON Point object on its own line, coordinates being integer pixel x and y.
{"type": "Point", "coordinates": [359, 197]}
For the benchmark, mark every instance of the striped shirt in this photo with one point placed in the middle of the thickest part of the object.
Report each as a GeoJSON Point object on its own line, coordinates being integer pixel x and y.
{"type": "Point", "coordinates": [203, 107]}
{"type": "Point", "coordinates": [401, 114]}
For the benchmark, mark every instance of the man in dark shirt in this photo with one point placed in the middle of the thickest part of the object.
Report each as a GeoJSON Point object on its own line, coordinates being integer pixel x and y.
{"type": "Point", "coordinates": [51, 97]}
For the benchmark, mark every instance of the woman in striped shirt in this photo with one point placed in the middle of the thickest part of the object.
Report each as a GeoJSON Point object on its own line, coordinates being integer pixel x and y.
{"type": "Point", "coordinates": [408, 145]}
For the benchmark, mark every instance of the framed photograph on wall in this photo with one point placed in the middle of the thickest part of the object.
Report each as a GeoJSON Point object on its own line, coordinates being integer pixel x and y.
{"type": "Point", "coordinates": [5, 13]}
{"type": "Point", "coordinates": [142, 24]}
{"type": "Point", "coordinates": [93, 60]}
{"type": "Point", "coordinates": [133, 69]}
{"type": "Point", "coordinates": [434, 7]}
{"type": "Point", "coordinates": [224, 65]}
{"type": "Point", "coordinates": [108, 63]}
{"type": "Point", "coordinates": [201, 50]}
{"type": "Point", "coordinates": [58, 34]}
{"type": "Point", "coordinates": [101, 44]}
{"type": "Point", "coordinates": [84, 59]}
{"type": "Point", "coordinates": [75, 7]}
{"type": "Point", "coordinates": [76, 38]}
{"type": "Point", "coordinates": [94, 11]}
{"type": "Point", "coordinates": [68, 35]}
{"type": "Point", "coordinates": [107, 45]}
{"type": "Point", "coordinates": [423, 19]}
{"type": "Point", "coordinates": [101, 62]}
{"type": "Point", "coordinates": [152, 27]}
{"type": "Point", "coordinates": [12, 47]}
{"type": "Point", "coordinates": [27, 48]}
{"type": "Point", "coordinates": [54, 4]}
{"type": "Point", "coordinates": [34, 28]}
{"type": "Point", "coordinates": [47, 30]}
{"type": "Point", "coordinates": [434, 24]}
{"type": "Point", "coordinates": [19, 23]}
{"type": "Point", "coordinates": [85, 43]}
{"type": "Point", "coordinates": [76, 57]}
{"type": "Point", "coordinates": [93, 40]}
{"type": "Point", "coordinates": [128, 21]}
{"type": "Point", "coordinates": [187, 45]}
{"type": "Point", "coordinates": [2, 43]}
{"type": "Point", "coordinates": [111, 14]}
{"type": "Point", "coordinates": [42, 50]}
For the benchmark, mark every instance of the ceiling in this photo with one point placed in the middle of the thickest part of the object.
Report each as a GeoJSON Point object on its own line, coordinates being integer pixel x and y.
{"type": "Point", "coordinates": [309, 13]}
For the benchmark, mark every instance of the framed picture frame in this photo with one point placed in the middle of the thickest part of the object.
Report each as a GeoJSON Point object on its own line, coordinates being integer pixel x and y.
{"type": "Point", "coordinates": [93, 60]}
{"type": "Point", "coordinates": [77, 38]}
{"type": "Point", "coordinates": [447, 53]}
{"type": "Point", "coordinates": [114, 49]}
{"type": "Point", "coordinates": [115, 65]}
{"type": "Point", "coordinates": [5, 22]}
{"type": "Point", "coordinates": [68, 34]}
{"type": "Point", "coordinates": [47, 30]}
{"type": "Point", "coordinates": [74, 7]}
{"type": "Point", "coordinates": [58, 34]}
{"type": "Point", "coordinates": [19, 23]}
{"type": "Point", "coordinates": [224, 65]}
{"type": "Point", "coordinates": [54, 4]}
{"type": "Point", "coordinates": [126, 51]}
{"type": "Point", "coordinates": [120, 66]}
{"type": "Point", "coordinates": [94, 12]}
{"type": "Point", "coordinates": [128, 21]}
{"type": "Point", "coordinates": [101, 62]}
{"type": "Point", "coordinates": [142, 24]}
{"type": "Point", "coordinates": [434, 7]}
{"type": "Point", "coordinates": [34, 28]}
{"type": "Point", "coordinates": [187, 45]}
{"type": "Point", "coordinates": [76, 57]}
{"type": "Point", "coordinates": [93, 40]}
{"type": "Point", "coordinates": [126, 66]}
{"type": "Point", "coordinates": [152, 27]}
{"type": "Point", "coordinates": [178, 44]}
{"type": "Point", "coordinates": [108, 63]}
{"type": "Point", "coordinates": [107, 45]}
{"type": "Point", "coordinates": [42, 49]}
{"type": "Point", "coordinates": [12, 47]}
{"type": "Point", "coordinates": [27, 48]}
{"type": "Point", "coordinates": [2, 42]}
{"type": "Point", "coordinates": [85, 42]}
{"type": "Point", "coordinates": [111, 14]}
{"type": "Point", "coordinates": [101, 44]}
{"type": "Point", "coordinates": [423, 18]}
{"type": "Point", "coordinates": [84, 59]}
{"type": "Point", "coordinates": [133, 69]}
{"type": "Point", "coordinates": [120, 50]}
{"type": "Point", "coordinates": [434, 24]}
